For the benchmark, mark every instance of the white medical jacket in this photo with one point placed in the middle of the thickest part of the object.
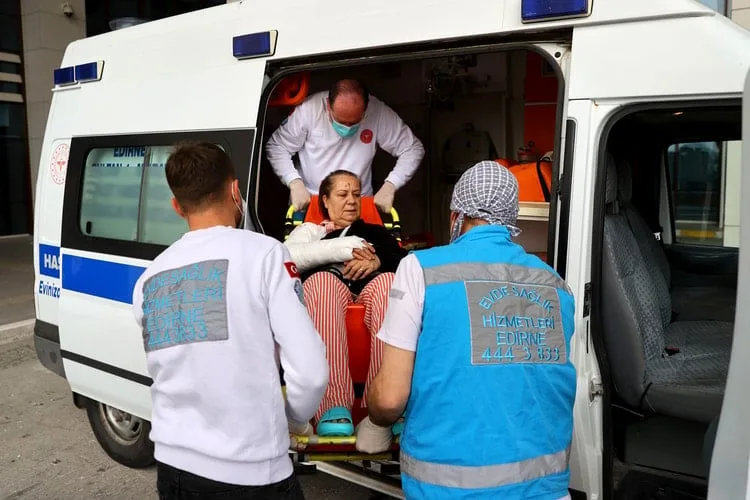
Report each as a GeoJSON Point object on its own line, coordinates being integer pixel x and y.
{"type": "Point", "coordinates": [308, 132]}
{"type": "Point", "coordinates": [218, 310]}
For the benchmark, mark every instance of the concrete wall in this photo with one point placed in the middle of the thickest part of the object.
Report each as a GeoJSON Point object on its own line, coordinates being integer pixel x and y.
{"type": "Point", "coordinates": [46, 34]}
{"type": "Point", "coordinates": [740, 12]}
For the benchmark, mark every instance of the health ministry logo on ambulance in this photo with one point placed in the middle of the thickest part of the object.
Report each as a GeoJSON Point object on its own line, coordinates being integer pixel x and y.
{"type": "Point", "coordinates": [59, 163]}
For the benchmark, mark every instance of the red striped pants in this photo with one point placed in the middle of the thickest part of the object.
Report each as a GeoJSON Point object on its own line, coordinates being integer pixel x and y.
{"type": "Point", "coordinates": [326, 298]}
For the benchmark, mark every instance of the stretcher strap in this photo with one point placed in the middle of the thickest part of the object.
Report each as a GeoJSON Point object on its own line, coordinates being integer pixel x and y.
{"type": "Point", "coordinates": [542, 182]}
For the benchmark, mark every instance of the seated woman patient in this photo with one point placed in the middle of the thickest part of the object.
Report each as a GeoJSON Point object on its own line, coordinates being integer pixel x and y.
{"type": "Point", "coordinates": [344, 260]}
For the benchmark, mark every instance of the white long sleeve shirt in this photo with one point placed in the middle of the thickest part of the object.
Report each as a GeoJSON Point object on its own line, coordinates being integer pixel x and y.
{"type": "Point", "coordinates": [308, 131]}
{"type": "Point", "coordinates": [219, 309]}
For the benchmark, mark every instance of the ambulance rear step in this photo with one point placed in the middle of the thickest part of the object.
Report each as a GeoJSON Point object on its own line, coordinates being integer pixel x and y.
{"type": "Point", "coordinates": [380, 476]}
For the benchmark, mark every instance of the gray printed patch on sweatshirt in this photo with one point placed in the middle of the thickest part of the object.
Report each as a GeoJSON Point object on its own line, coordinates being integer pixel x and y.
{"type": "Point", "coordinates": [186, 305]}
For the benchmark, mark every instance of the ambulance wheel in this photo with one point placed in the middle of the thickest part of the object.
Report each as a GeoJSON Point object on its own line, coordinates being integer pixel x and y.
{"type": "Point", "coordinates": [124, 437]}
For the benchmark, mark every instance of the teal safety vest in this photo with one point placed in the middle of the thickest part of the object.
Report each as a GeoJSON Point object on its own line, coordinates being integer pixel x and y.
{"type": "Point", "coordinates": [490, 414]}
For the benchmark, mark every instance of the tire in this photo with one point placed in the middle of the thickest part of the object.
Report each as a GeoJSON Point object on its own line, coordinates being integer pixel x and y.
{"type": "Point", "coordinates": [122, 436]}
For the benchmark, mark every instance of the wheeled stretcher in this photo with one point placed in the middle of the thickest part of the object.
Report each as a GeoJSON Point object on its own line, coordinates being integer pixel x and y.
{"type": "Point", "coordinates": [336, 448]}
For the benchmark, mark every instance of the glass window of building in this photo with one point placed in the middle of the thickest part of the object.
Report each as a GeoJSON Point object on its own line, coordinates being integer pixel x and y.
{"type": "Point", "coordinates": [102, 15]}
{"type": "Point", "coordinates": [14, 192]}
{"type": "Point", "coordinates": [719, 6]}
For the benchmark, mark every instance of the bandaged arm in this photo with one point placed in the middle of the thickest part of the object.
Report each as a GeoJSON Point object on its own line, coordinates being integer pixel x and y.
{"type": "Point", "coordinates": [309, 250]}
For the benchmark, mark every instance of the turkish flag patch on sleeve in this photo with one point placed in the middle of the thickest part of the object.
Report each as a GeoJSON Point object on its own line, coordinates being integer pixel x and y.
{"type": "Point", "coordinates": [291, 268]}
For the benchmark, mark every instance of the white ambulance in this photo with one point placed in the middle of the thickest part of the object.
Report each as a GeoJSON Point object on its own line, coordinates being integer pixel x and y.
{"type": "Point", "coordinates": [639, 102]}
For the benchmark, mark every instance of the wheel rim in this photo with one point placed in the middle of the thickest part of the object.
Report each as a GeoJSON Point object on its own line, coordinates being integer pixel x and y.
{"type": "Point", "coordinates": [121, 426]}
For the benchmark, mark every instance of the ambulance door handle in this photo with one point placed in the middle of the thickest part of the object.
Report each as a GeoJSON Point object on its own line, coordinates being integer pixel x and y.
{"type": "Point", "coordinates": [596, 389]}
{"type": "Point", "coordinates": [88, 227]}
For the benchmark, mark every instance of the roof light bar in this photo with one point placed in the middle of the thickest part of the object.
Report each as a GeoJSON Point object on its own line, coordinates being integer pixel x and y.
{"type": "Point", "coordinates": [64, 76]}
{"type": "Point", "coordinates": [89, 72]}
{"type": "Point", "coordinates": [81, 73]}
{"type": "Point", "coordinates": [254, 44]}
{"type": "Point", "coordinates": [548, 10]}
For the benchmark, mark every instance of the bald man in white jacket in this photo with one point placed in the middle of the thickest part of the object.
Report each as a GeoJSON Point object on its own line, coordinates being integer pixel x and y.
{"type": "Point", "coordinates": [341, 129]}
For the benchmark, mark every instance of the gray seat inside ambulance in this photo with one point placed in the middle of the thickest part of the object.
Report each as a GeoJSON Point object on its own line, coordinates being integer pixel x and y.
{"type": "Point", "coordinates": [671, 368]}
{"type": "Point", "coordinates": [688, 303]}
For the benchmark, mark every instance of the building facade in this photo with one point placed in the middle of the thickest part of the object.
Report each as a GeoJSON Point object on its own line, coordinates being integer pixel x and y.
{"type": "Point", "coordinates": [15, 210]}
{"type": "Point", "coordinates": [33, 38]}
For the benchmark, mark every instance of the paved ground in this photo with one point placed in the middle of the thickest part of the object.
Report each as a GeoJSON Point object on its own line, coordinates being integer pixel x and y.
{"type": "Point", "coordinates": [47, 449]}
{"type": "Point", "coordinates": [16, 279]}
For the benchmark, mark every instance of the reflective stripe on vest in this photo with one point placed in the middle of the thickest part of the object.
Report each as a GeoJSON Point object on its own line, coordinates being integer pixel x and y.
{"type": "Point", "coordinates": [447, 273]}
{"type": "Point", "coordinates": [485, 476]}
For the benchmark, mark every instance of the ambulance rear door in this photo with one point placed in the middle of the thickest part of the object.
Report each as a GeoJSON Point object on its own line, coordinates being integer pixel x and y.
{"type": "Point", "coordinates": [117, 214]}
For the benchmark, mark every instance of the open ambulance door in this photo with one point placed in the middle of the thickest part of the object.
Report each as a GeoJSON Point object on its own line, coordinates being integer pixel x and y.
{"type": "Point", "coordinates": [730, 464]}
{"type": "Point", "coordinates": [569, 226]}
{"type": "Point", "coordinates": [573, 252]}
{"type": "Point", "coordinates": [114, 214]}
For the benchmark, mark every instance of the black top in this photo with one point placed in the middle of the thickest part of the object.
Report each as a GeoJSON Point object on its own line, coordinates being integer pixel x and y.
{"type": "Point", "coordinates": [386, 248]}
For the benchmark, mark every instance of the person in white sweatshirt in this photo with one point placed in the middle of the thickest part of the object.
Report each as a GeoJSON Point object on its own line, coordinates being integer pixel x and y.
{"type": "Point", "coordinates": [341, 129]}
{"type": "Point", "coordinates": [219, 310]}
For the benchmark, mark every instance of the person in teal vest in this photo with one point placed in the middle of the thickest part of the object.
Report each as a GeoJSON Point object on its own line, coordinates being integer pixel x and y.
{"type": "Point", "coordinates": [477, 353]}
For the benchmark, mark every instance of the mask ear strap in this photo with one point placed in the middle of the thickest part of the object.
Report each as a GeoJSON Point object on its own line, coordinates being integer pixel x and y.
{"type": "Point", "coordinates": [456, 229]}
{"type": "Point", "coordinates": [238, 204]}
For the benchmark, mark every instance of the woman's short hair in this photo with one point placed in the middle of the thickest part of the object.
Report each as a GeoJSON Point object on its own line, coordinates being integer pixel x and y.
{"type": "Point", "coordinates": [327, 185]}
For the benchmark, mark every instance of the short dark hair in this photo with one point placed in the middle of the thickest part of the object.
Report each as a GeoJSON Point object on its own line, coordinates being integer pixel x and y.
{"type": "Point", "coordinates": [348, 86]}
{"type": "Point", "coordinates": [327, 185]}
{"type": "Point", "coordinates": [197, 172]}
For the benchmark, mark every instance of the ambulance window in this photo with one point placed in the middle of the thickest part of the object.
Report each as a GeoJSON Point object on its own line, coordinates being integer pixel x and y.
{"type": "Point", "coordinates": [111, 192]}
{"type": "Point", "coordinates": [159, 223]}
{"type": "Point", "coordinates": [698, 186]}
{"type": "Point", "coordinates": [125, 200]}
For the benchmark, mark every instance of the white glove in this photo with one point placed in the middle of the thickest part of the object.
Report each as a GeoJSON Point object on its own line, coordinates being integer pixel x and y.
{"type": "Point", "coordinates": [300, 194]}
{"type": "Point", "coordinates": [296, 430]}
{"type": "Point", "coordinates": [301, 429]}
{"type": "Point", "coordinates": [384, 197]}
{"type": "Point", "coordinates": [372, 438]}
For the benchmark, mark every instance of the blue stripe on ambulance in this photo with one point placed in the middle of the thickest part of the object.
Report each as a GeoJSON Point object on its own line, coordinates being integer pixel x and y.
{"type": "Point", "coordinates": [95, 277]}
{"type": "Point", "coordinates": [100, 278]}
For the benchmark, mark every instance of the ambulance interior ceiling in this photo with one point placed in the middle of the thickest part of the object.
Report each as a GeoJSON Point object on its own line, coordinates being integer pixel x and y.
{"type": "Point", "coordinates": [508, 97]}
